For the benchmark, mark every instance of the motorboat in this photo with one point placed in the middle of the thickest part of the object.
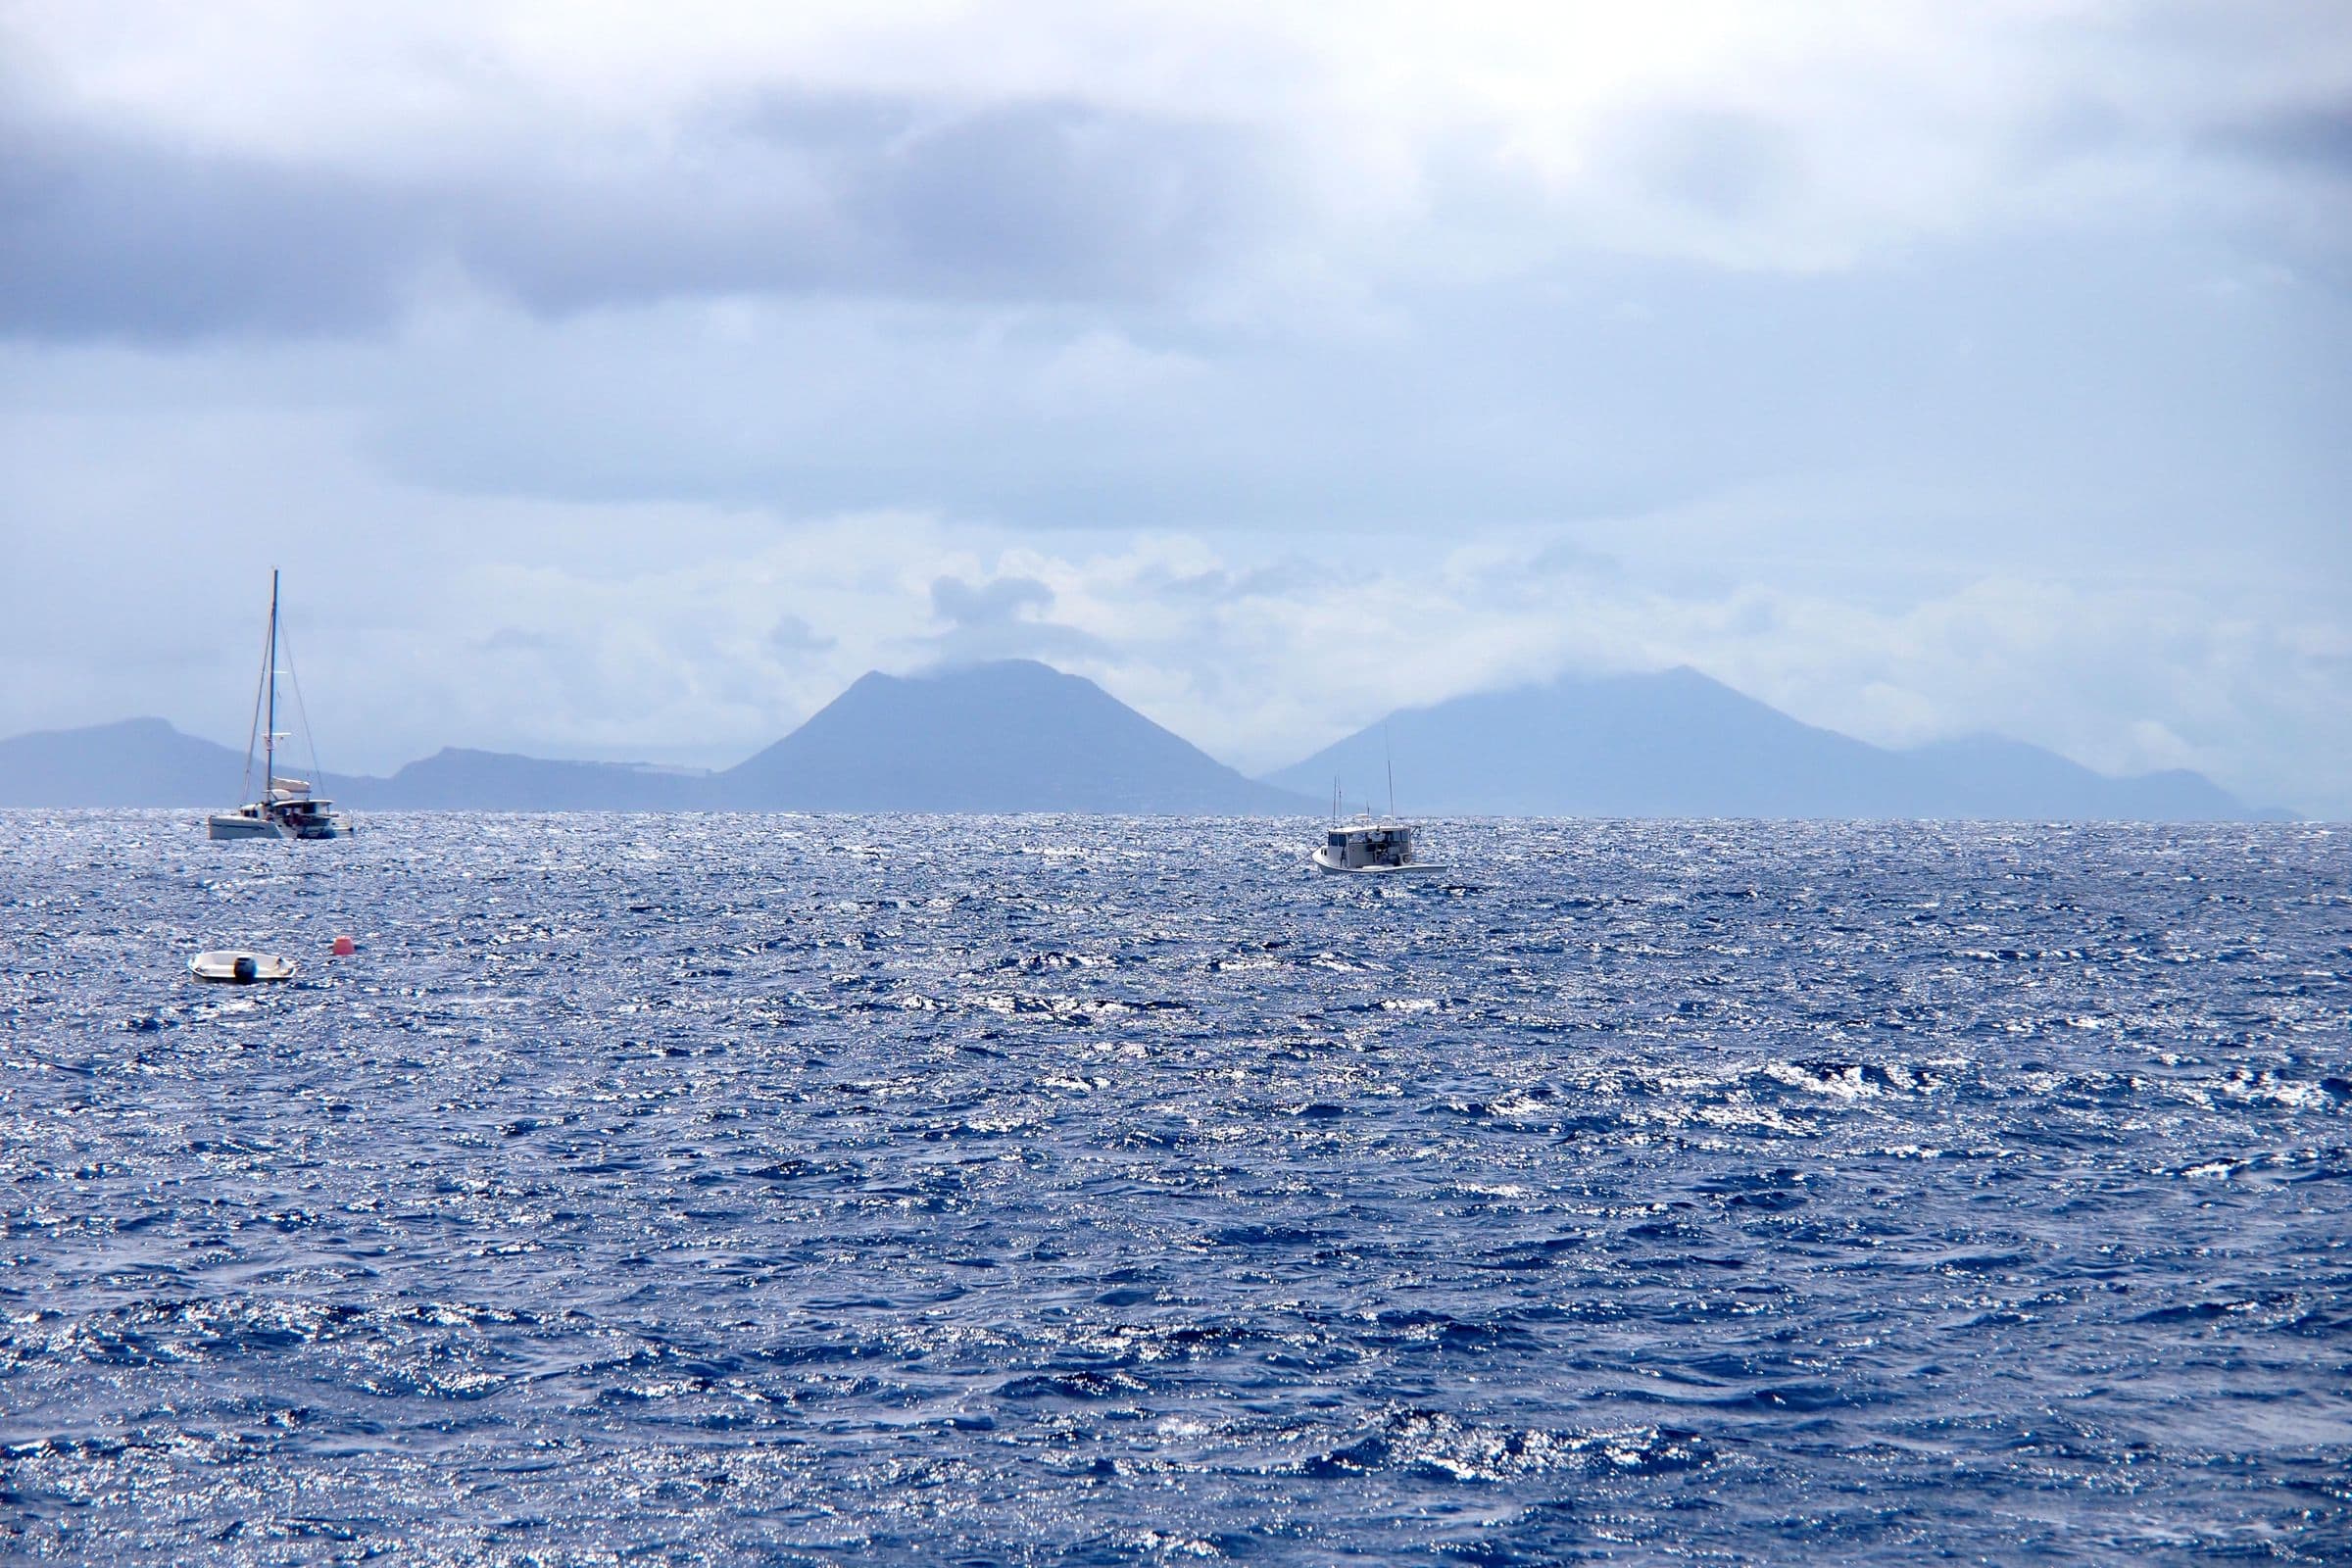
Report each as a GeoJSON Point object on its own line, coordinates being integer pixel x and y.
{"type": "Point", "coordinates": [285, 808]}
{"type": "Point", "coordinates": [1372, 847]}
{"type": "Point", "coordinates": [1368, 845]}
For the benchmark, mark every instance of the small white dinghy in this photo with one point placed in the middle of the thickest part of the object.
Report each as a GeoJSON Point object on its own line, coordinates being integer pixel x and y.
{"type": "Point", "coordinates": [236, 968]}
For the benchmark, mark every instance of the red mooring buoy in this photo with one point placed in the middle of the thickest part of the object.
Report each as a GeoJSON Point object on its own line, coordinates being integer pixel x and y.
{"type": "Point", "coordinates": [345, 947]}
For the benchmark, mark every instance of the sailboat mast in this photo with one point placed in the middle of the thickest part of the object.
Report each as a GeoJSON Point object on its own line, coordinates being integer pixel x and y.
{"type": "Point", "coordinates": [270, 733]}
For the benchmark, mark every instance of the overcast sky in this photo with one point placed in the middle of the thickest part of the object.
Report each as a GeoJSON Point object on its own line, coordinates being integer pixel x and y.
{"type": "Point", "coordinates": [622, 382]}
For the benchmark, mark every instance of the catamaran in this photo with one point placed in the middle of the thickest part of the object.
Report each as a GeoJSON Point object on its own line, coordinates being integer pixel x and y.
{"type": "Point", "coordinates": [286, 808]}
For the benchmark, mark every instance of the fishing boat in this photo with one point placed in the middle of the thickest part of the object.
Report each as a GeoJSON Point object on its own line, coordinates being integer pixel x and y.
{"type": "Point", "coordinates": [285, 808]}
{"type": "Point", "coordinates": [1371, 846]}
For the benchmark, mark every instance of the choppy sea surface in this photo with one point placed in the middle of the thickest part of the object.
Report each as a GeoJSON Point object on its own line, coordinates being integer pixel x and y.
{"type": "Point", "coordinates": [809, 1190]}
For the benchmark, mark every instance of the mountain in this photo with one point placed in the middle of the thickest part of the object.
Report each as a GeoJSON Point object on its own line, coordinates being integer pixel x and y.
{"type": "Point", "coordinates": [1677, 744]}
{"type": "Point", "coordinates": [1002, 737]}
{"type": "Point", "coordinates": [454, 779]}
{"type": "Point", "coordinates": [1992, 777]}
{"type": "Point", "coordinates": [137, 762]}
{"type": "Point", "coordinates": [1016, 736]}
{"type": "Point", "coordinates": [1010, 736]}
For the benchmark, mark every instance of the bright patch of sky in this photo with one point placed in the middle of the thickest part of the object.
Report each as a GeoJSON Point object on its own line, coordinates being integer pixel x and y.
{"type": "Point", "coordinates": [622, 382]}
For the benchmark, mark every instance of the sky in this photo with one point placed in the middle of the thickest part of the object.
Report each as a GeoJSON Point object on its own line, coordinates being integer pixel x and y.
{"type": "Point", "coordinates": [622, 382]}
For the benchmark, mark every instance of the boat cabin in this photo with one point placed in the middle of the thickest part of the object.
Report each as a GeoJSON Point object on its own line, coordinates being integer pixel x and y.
{"type": "Point", "coordinates": [305, 815]}
{"type": "Point", "coordinates": [1367, 847]}
{"type": "Point", "coordinates": [290, 811]}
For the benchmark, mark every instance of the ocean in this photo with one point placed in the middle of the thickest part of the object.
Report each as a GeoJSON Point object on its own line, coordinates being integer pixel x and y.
{"type": "Point", "coordinates": [716, 1190]}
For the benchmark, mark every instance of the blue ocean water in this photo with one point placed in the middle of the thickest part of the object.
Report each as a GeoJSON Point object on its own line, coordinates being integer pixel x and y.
{"type": "Point", "coordinates": [780, 1189]}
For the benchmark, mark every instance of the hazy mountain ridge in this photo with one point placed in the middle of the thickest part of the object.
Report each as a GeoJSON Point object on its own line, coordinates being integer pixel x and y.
{"type": "Point", "coordinates": [146, 762]}
{"type": "Point", "coordinates": [1680, 744]}
{"type": "Point", "coordinates": [133, 761]}
{"type": "Point", "coordinates": [1013, 736]}
{"type": "Point", "coordinates": [455, 778]}
{"type": "Point", "coordinates": [1017, 736]}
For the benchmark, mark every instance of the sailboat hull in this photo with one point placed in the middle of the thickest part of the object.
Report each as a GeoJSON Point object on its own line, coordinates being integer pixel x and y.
{"type": "Point", "coordinates": [239, 826]}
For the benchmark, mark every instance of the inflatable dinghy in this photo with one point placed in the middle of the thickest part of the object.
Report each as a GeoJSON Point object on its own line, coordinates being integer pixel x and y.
{"type": "Point", "coordinates": [239, 968]}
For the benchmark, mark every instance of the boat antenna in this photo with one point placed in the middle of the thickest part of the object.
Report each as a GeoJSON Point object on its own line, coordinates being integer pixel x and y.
{"type": "Point", "coordinates": [1390, 761]}
{"type": "Point", "coordinates": [1335, 796]}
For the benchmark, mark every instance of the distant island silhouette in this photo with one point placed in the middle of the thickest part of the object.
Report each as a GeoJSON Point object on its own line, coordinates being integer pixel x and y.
{"type": "Point", "coordinates": [1680, 744]}
{"type": "Point", "coordinates": [1015, 735]}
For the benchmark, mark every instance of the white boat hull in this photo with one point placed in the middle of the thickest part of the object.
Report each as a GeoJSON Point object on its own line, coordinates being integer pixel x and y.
{"type": "Point", "coordinates": [235, 826]}
{"type": "Point", "coordinates": [1409, 868]}
{"type": "Point", "coordinates": [249, 826]}
{"type": "Point", "coordinates": [237, 967]}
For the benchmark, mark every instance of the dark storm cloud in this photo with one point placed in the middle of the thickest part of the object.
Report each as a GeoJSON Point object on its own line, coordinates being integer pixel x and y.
{"type": "Point", "coordinates": [2307, 151]}
{"type": "Point", "coordinates": [1030, 198]}
{"type": "Point", "coordinates": [106, 235]}
{"type": "Point", "coordinates": [2304, 140]}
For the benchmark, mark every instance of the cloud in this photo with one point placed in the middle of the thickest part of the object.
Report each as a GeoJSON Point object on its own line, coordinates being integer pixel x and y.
{"type": "Point", "coordinates": [792, 634]}
{"type": "Point", "coordinates": [2318, 139]}
{"type": "Point", "coordinates": [518, 640]}
{"type": "Point", "coordinates": [1227, 160]}
{"type": "Point", "coordinates": [1728, 165]}
{"type": "Point", "coordinates": [112, 237]}
{"type": "Point", "coordinates": [997, 603]}
{"type": "Point", "coordinates": [993, 619]}
{"type": "Point", "coordinates": [113, 234]}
